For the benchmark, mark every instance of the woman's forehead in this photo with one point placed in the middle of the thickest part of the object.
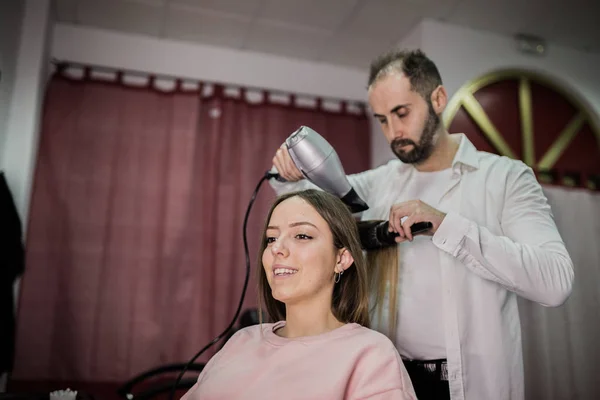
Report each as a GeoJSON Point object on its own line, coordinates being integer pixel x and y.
{"type": "Point", "coordinates": [296, 209]}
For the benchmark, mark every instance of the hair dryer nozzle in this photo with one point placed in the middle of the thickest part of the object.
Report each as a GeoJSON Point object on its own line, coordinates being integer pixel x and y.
{"type": "Point", "coordinates": [356, 204]}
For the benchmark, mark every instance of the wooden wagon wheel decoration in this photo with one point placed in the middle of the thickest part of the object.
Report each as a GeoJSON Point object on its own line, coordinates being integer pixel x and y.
{"type": "Point", "coordinates": [525, 115]}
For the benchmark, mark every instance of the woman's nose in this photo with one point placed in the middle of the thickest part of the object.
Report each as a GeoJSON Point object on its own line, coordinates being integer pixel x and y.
{"type": "Point", "coordinates": [280, 247]}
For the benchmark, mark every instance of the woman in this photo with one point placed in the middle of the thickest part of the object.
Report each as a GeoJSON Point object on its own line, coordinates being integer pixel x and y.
{"type": "Point", "coordinates": [313, 281]}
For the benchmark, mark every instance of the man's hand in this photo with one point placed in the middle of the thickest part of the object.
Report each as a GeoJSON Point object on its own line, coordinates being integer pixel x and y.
{"type": "Point", "coordinates": [285, 165]}
{"type": "Point", "coordinates": [414, 211]}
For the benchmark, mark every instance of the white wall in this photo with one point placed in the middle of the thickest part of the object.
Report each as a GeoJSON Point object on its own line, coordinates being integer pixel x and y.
{"type": "Point", "coordinates": [22, 126]}
{"type": "Point", "coordinates": [24, 42]}
{"type": "Point", "coordinates": [11, 17]}
{"type": "Point", "coordinates": [463, 54]}
{"type": "Point", "coordinates": [203, 62]}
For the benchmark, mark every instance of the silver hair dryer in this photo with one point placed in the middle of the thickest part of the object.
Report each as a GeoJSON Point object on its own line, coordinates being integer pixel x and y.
{"type": "Point", "coordinates": [320, 164]}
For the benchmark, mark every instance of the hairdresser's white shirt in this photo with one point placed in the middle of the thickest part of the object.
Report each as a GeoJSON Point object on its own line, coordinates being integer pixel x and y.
{"type": "Point", "coordinates": [498, 240]}
{"type": "Point", "coordinates": [421, 279]}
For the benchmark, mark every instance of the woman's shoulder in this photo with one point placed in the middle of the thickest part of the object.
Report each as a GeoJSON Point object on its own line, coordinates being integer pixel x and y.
{"type": "Point", "coordinates": [371, 336]}
{"type": "Point", "coordinates": [247, 335]}
{"type": "Point", "coordinates": [370, 344]}
{"type": "Point", "coordinates": [377, 367]}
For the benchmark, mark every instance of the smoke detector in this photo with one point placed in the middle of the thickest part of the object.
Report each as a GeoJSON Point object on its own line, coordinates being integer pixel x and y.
{"type": "Point", "coordinates": [530, 44]}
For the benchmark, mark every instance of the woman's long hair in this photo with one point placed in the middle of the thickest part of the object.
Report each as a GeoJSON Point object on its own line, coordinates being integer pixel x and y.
{"type": "Point", "coordinates": [384, 272]}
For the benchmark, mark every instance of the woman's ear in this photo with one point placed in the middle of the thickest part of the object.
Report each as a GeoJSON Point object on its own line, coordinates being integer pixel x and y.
{"type": "Point", "coordinates": [344, 260]}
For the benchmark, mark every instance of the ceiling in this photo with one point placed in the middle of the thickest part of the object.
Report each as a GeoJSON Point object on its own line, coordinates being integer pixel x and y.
{"type": "Point", "coordinates": [340, 32]}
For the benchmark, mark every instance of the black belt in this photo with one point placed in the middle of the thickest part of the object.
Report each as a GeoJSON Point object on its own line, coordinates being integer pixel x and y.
{"type": "Point", "coordinates": [437, 369]}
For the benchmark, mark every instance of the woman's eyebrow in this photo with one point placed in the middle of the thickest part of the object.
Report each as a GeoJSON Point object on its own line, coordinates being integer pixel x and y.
{"type": "Point", "coordinates": [294, 224]}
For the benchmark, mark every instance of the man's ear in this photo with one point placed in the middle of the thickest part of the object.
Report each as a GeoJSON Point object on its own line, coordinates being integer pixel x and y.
{"type": "Point", "coordinates": [439, 99]}
{"type": "Point", "coordinates": [344, 260]}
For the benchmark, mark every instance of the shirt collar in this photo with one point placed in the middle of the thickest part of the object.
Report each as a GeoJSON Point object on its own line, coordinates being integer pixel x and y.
{"type": "Point", "coordinates": [466, 154]}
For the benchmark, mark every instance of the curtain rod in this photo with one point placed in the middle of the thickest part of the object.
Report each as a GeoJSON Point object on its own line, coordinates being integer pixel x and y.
{"type": "Point", "coordinates": [106, 68]}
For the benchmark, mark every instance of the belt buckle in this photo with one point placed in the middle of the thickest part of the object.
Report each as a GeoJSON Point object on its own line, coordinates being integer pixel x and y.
{"type": "Point", "coordinates": [437, 367]}
{"type": "Point", "coordinates": [440, 368]}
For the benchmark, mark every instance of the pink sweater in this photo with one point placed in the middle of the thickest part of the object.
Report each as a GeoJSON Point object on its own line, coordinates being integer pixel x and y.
{"type": "Point", "coordinates": [350, 363]}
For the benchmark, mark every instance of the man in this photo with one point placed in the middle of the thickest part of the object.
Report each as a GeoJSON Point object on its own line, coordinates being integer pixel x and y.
{"type": "Point", "coordinates": [493, 238]}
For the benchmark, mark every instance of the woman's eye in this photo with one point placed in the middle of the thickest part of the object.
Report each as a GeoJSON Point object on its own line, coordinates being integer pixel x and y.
{"type": "Point", "coordinates": [302, 236]}
{"type": "Point", "coordinates": [270, 240]}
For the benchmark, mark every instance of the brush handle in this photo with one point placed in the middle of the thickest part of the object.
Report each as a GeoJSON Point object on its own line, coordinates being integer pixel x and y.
{"type": "Point", "coordinates": [420, 227]}
{"type": "Point", "coordinates": [374, 234]}
{"type": "Point", "coordinates": [415, 229]}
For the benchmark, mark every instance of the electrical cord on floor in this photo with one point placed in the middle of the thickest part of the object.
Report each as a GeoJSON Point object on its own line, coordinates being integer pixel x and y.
{"type": "Point", "coordinates": [267, 175]}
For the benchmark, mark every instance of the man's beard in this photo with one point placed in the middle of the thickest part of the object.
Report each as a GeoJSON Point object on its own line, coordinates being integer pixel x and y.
{"type": "Point", "coordinates": [419, 152]}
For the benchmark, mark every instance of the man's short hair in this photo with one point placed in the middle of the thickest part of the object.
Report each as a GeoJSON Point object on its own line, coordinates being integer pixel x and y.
{"type": "Point", "coordinates": [422, 73]}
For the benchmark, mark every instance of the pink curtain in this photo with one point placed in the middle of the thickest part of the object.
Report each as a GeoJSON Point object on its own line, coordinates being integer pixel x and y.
{"type": "Point", "coordinates": [134, 250]}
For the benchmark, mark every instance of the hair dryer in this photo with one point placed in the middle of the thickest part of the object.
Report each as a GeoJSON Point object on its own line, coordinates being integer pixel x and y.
{"type": "Point", "coordinates": [320, 164]}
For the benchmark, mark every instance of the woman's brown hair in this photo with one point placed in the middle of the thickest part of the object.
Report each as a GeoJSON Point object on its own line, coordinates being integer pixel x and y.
{"type": "Point", "coordinates": [350, 302]}
{"type": "Point", "coordinates": [384, 271]}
